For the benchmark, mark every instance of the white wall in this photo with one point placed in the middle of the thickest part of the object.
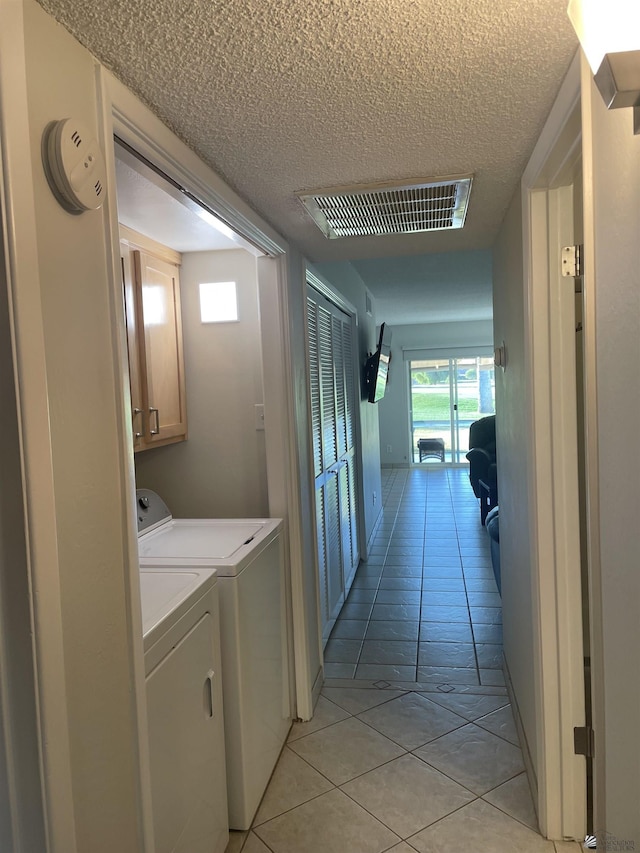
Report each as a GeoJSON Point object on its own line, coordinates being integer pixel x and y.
{"type": "Point", "coordinates": [345, 279]}
{"type": "Point", "coordinates": [19, 758]}
{"type": "Point", "coordinates": [220, 471]}
{"type": "Point", "coordinates": [393, 409]}
{"type": "Point", "coordinates": [512, 431]}
{"type": "Point", "coordinates": [86, 570]}
{"type": "Point", "coordinates": [612, 342]}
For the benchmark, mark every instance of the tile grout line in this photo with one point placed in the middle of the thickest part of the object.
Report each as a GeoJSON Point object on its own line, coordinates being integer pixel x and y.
{"type": "Point", "coordinates": [466, 590]}
{"type": "Point", "coordinates": [399, 499]}
{"type": "Point", "coordinates": [406, 752]}
{"type": "Point", "coordinates": [424, 551]}
{"type": "Point", "coordinates": [385, 500]}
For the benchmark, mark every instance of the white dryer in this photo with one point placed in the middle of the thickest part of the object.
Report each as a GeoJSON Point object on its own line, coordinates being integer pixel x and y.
{"type": "Point", "coordinates": [247, 557]}
{"type": "Point", "coordinates": [181, 629]}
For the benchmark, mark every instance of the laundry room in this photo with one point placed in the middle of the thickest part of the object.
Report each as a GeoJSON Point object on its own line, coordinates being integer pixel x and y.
{"type": "Point", "coordinates": [196, 382]}
{"type": "Point", "coordinates": [216, 367]}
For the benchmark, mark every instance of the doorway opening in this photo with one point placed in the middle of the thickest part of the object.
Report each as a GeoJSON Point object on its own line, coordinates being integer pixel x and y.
{"type": "Point", "coordinates": [446, 395]}
{"type": "Point", "coordinates": [180, 362]}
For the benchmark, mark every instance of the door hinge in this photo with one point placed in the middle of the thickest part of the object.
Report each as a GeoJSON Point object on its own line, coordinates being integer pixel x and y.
{"type": "Point", "coordinates": [571, 261]}
{"type": "Point", "coordinates": [583, 741]}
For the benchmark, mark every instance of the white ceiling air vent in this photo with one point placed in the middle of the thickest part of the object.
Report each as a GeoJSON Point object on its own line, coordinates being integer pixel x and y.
{"type": "Point", "coordinates": [432, 204]}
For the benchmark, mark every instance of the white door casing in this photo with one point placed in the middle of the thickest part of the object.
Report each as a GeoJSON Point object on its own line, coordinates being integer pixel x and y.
{"type": "Point", "coordinates": [552, 470]}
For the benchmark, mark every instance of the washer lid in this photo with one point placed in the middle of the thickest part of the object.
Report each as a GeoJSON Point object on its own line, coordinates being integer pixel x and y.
{"type": "Point", "coordinates": [227, 545]}
{"type": "Point", "coordinates": [164, 593]}
{"type": "Point", "coordinates": [206, 539]}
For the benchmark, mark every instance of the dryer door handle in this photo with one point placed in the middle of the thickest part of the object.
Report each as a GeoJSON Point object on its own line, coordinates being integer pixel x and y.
{"type": "Point", "coordinates": [209, 707]}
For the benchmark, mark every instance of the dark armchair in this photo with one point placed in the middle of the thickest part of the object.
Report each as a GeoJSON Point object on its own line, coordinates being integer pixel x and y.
{"type": "Point", "coordinates": [483, 472]}
{"type": "Point", "coordinates": [492, 525]}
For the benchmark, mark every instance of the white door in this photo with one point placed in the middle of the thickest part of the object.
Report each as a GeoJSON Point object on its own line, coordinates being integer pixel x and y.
{"type": "Point", "coordinates": [332, 386]}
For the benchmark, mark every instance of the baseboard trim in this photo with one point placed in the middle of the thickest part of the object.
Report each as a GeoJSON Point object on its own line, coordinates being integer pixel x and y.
{"type": "Point", "coordinates": [526, 752]}
{"type": "Point", "coordinates": [373, 533]}
{"type": "Point", "coordinates": [317, 687]}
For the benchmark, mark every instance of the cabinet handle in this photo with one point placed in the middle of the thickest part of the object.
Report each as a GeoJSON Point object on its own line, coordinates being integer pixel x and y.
{"type": "Point", "coordinates": [136, 412]}
{"type": "Point", "coordinates": [155, 431]}
{"type": "Point", "coordinates": [208, 694]}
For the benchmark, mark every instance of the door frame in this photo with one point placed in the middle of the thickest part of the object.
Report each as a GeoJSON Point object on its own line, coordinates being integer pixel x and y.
{"type": "Point", "coordinates": [125, 116]}
{"type": "Point", "coordinates": [35, 760]}
{"type": "Point", "coordinates": [552, 470]}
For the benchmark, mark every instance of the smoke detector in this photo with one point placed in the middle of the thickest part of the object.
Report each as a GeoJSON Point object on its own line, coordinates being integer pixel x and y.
{"type": "Point", "coordinates": [428, 204]}
{"type": "Point", "coordinates": [74, 165]}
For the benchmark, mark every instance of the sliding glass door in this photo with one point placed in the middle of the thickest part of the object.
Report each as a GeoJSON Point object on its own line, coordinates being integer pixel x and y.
{"type": "Point", "coordinates": [446, 396]}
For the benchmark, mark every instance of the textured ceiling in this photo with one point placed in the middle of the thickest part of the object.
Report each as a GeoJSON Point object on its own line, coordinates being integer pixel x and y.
{"type": "Point", "coordinates": [440, 288]}
{"type": "Point", "coordinates": [429, 288]}
{"type": "Point", "coordinates": [280, 96]}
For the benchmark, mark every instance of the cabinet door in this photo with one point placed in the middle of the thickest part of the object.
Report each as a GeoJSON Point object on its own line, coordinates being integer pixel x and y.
{"type": "Point", "coordinates": [186, 747]}
{"type": "Point", "coordinates": [135, 382]}
{"type": "Point", "coordinates": [160, 347]}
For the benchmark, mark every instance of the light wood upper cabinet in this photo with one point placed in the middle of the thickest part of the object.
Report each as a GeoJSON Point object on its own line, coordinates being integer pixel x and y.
{"type": "Point", "coordinates": [154, 336]}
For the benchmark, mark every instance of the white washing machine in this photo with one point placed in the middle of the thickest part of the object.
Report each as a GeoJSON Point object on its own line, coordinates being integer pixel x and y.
{"type": "Point", "coordinates": [181, 628]}
{"type": "Point", "coordinates": [247, 557]}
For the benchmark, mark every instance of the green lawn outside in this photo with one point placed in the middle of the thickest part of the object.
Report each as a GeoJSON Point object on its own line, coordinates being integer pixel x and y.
{"type": "Point", "coordinates": [435, 407]}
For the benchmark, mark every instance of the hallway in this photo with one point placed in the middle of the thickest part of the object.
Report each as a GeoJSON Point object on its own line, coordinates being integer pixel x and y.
{"type": "Point", "coordinates": [425, 607]}
{"type": "Point", "coordinates": [413, 746]}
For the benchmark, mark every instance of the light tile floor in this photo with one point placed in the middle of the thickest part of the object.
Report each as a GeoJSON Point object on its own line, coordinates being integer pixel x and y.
{"type": "Point", "coordinates": [424, 608]}
{"type": "Point", "coordinates": [412, 746]}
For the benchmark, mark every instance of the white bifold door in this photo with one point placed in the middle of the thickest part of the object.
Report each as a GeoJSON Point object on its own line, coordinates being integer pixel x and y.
{"type": "Point", "coordinates": [333, 384]}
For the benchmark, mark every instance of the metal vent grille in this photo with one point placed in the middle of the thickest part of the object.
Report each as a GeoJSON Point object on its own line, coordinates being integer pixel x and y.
{"type": "Point", "coordinates": [430, 205]}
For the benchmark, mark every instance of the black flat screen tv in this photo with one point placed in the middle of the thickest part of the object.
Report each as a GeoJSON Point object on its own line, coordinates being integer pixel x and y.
{"type": "Point", "coordinates": [377, 367]}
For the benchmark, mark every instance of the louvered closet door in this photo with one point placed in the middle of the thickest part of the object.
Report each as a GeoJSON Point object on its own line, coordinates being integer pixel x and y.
{"type": "Point", "coordinates": [332, 403]}
{"type": "Point", "coordinates": [344, 369]}
{"type": "Point", "coordinates": [316, 429]}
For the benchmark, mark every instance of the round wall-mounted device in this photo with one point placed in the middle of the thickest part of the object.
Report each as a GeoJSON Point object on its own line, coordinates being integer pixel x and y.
{"type": "Point", "coordinates": [74, 165]}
